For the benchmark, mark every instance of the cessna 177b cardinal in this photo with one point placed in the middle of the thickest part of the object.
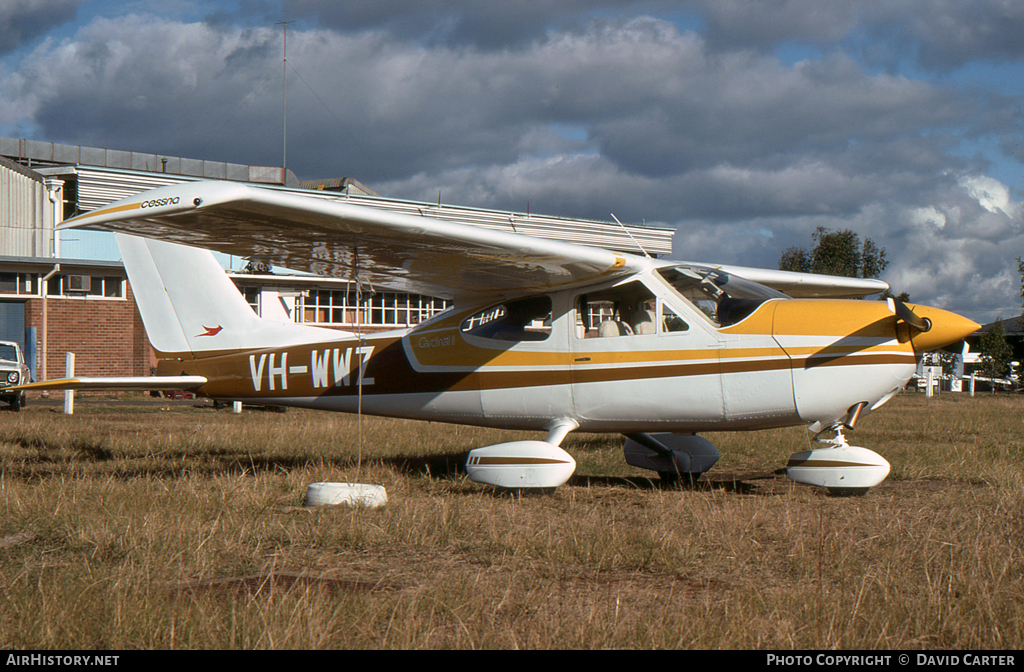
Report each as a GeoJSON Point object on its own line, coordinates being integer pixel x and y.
{"type": "Point", "coordinates": [543, 335]}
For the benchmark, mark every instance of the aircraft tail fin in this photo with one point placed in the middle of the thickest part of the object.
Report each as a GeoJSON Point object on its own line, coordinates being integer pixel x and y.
{"type": "Point", "coordinates": [190, 306]}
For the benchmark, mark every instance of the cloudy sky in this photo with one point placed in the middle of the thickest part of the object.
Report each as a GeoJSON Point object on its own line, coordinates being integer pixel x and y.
{"type": "Point", "coordinates": [745, 124]}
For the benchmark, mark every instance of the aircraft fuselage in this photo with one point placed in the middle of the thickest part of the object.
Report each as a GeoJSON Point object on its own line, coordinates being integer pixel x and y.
{"type": "Point", "coordinates": [790, 362]}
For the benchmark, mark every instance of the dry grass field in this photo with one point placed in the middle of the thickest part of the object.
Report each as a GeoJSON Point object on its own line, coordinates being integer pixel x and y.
{"type": "Point", "coordinates": [131, 527]}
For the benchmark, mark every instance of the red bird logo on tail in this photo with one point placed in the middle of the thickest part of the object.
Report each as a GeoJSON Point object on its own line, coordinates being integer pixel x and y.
{"type": "Point", "coordinates": [210, 331]}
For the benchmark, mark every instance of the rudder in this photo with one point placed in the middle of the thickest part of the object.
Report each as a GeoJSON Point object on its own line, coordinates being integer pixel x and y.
{"type": "Point", "coordinates": [190, 305]}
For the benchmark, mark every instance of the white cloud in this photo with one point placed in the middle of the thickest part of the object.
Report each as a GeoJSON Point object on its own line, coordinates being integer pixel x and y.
{"type": "Point", "coordinates": [743, 152]}
{"type": "Point", "coordinates": [991, 194]}
{"type": "Point", "coordinates": [928, 216]}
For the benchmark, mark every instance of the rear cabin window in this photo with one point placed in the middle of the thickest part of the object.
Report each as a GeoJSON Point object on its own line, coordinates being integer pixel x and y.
{"type": "Point", "coordinates": [526, 319]}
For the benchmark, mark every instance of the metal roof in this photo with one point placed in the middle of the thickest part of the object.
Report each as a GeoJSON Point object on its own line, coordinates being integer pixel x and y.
{"type": "Point", "coordinates": [1012, 326]}
{"type": "Point", "coordinates": [47, 263]}
{"type": "Point", "coordinates": [39, 153]}
{"type": "Point", "coordinates": [346, 184]}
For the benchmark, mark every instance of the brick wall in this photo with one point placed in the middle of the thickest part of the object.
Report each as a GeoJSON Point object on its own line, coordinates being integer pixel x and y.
{"type": "Point", "coordinates": [106, 335]}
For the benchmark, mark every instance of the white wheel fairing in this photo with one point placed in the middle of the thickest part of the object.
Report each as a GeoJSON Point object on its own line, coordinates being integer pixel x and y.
{"type": "Point", "coordinates": [520, 464]}
{"type": "Point", "coordinates": [838, 468]}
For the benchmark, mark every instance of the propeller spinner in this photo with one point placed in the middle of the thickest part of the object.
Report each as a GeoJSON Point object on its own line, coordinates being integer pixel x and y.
{"type": "Point", "coordinates": [933, 328]}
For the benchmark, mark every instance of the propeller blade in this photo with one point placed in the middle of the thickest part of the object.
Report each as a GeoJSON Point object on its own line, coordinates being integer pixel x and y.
{"type": "Point", "coordinates": [904, 312]}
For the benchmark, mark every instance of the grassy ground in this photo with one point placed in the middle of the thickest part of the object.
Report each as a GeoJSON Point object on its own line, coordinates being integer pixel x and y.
{"type": "Point", "coordinates": [140, 527]}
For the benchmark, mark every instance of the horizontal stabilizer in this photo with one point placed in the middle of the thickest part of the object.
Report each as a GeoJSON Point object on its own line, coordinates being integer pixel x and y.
{"type": "Point", "coordinates": [118, 384]}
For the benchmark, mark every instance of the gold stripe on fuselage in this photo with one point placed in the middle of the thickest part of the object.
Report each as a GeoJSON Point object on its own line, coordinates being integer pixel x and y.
{"type": "Point", "coordinates": [333, 368]}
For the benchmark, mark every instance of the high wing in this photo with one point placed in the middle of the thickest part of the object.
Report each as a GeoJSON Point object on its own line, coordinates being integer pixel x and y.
{"type": "Point", "coordinates": [401, 252]}
{"type": "Point", "coordinates": [398, 251]}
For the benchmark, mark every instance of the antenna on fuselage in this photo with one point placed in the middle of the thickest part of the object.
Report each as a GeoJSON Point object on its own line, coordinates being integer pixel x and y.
{"type": "Point", "coordinates": [635, 241]}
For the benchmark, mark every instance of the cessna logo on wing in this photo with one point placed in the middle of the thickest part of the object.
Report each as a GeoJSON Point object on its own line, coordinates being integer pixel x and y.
{"type": "Point", "coordinates": [210, 331]}
{"type": "Point", "coordinates": [156, 203]}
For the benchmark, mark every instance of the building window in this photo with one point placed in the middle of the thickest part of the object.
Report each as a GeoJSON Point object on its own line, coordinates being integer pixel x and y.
{"type": "Point", "coordinates": [18, 283]}
{"type": "Point", "coordinates": [348, 308]}
{"type": "Point", "coordinates": [113, 287]}
{"type": "Point", "coordinates": [75, 284]}
{"type": "Point", "coordinates": [252, 297]}
{"type": "Point", "coordinates": [386, 309]}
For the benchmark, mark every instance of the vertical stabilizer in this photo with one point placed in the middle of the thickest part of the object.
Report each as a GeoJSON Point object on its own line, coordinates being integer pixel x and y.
{"type": "Point", "coordinates": [190, 305]}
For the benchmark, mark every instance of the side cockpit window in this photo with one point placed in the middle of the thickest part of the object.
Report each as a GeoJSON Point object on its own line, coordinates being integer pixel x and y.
{"type": "Point", "coordinates": [670, 322]}
{"type": "Point", "coordinates": [724, 298]}
{"type": "Point", "coordinates": [625, 310]}
{"type": "Point", "coordinates": [526, 319]}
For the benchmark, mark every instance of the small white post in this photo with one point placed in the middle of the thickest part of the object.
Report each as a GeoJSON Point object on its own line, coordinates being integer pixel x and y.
{"type": "Point", "coordinates": [928, 383]}
{"type": "Point", "coordinates": [236, 406]}
{"type": "Point", "coordinates": [69, 395]}
{"type": "Point", "coordinates": [972, 383]}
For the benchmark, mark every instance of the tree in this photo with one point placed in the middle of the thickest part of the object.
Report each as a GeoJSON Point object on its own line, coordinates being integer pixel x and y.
{"type": "Point", "coordinates": [995, 351]}
{"type": "Point", "coordinates": [836, 253]}
{"type": "Point", "coordinates": [902, 296]}
{"type": "Point", "coordinates": [795, 259]}
{"type": "Point", "coordinates": [1020, 269]}
{"type": "Point", "coordinates": [872, 260]}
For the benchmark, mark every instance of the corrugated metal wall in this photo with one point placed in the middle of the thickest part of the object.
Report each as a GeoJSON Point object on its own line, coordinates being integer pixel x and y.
{"type": "Point", "coordinates": [26, 214]}
{"type": "Point", "coordinates": [98, 187]}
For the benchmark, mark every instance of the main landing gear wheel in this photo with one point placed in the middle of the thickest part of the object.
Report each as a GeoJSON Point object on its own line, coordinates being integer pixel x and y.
{"type": "Point", "coordinates": [678, 458]}
{"type": "Point", "coordinates": [687, 478]}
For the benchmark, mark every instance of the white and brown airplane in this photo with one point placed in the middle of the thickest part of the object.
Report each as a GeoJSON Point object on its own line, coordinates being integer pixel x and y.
{"type": "Point", "coordinates": [542, 335]}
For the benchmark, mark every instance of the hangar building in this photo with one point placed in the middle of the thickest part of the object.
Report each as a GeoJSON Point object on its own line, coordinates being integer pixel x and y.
{"type": "Point", "coordinates": [68, 292]}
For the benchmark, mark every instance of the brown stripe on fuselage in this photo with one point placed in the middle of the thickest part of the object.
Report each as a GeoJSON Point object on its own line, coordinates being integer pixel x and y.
{"type": "Point", "coordinates": [393, 373]}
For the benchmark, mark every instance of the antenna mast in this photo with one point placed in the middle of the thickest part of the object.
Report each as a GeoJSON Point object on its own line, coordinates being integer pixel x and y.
{"type": "Point", "coordinates": [284, 89]}
{"type": "Point", "coordinates": [635, 241]}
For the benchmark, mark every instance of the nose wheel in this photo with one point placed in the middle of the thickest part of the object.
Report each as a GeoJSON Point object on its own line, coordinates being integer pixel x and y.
{"type": "Point", "coordinates": [841, 468]}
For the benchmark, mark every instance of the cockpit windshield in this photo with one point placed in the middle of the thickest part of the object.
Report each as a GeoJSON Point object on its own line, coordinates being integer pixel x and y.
{"type": "Point", "coordinates": [724, 298]}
